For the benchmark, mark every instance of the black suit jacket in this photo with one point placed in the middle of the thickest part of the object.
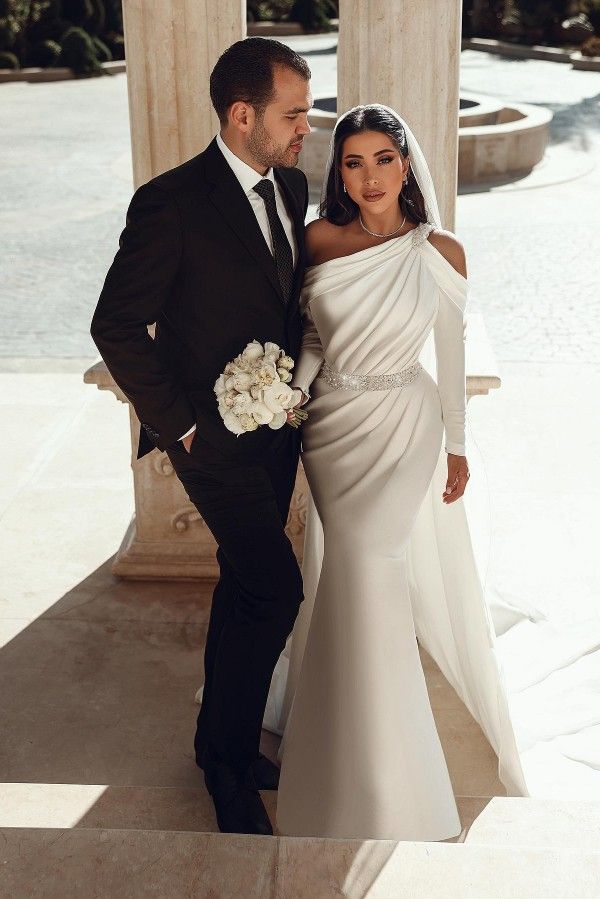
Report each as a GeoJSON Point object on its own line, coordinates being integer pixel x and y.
{"type": "Point", "coordinates": [192, 258]}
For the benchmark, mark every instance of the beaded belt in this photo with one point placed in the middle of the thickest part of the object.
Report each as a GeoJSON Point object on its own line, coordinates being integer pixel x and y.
{"type": "Point", "coordinates": [348, 381]}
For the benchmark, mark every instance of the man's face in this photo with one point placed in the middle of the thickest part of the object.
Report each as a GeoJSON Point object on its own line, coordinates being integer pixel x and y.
{"type": "Point", "coordinates": [276, 137]}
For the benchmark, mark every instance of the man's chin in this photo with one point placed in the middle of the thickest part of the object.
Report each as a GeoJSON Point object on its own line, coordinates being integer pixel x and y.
{"type": "Point", "coordinates": [290, 160]}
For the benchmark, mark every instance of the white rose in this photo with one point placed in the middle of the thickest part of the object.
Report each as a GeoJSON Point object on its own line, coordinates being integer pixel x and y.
{"type": "Point", "coordinates": [272, 349]}
{"type": "Point", "coordinates": [278, 421]}
{"type": "Point", "coordinates": [284, 375]}
{"type": "Point", "coordinates": [286, 362]}
{"type": "Point", "coordinates": [241, 381]}
{"type": "Point", "coordinates": [261, 413]}
{"type": "Point", "coordinates": [220, 385]}
{"type": "Point", "coordinates": [266, 375]}
{"type": "Point", "coordinates": [232, 423]}
{"type": "Point", "coordinates": [247, 422]}
{"type": "Point", "coordinates": [243, 402]}
{"type": "Point", "coordinates": [253, 350]}
{"type": "Point", "coordinates": [278, 397]}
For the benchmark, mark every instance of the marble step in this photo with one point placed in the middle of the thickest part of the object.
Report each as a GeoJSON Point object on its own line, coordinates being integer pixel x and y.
{"type": "Point", "coordinates": [520, 821]}
{"type": "Point", "coordinates": [58, 863]}
{"type": "Point", "coordinates": [51, 805]}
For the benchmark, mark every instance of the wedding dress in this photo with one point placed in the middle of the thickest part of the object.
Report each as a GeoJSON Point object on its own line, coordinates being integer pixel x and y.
{"type": "Point", "coordinates": [360, 754]}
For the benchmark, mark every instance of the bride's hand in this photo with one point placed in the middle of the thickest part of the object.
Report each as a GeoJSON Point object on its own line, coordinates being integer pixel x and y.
{"type": "Point", "coordinates": [295, 416]}
{"type": "Point", "coordinates": [458, 475]}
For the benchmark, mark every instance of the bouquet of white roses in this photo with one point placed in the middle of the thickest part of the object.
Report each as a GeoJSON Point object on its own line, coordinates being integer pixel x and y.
{"type": "Point", "coordinates": [254, 390]}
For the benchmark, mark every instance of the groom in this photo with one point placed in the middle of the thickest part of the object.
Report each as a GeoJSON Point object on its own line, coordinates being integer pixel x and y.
{"type": "Point", "coordinates": [213, 252]}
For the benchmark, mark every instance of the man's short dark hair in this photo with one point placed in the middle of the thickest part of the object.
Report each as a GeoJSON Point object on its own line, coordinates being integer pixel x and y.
{"type": "Point", "coordinates": [245, 72]}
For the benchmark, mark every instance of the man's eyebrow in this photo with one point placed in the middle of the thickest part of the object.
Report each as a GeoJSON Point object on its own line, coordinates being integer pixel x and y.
{"type": "Point", "coordinates": [358, 156]}
{"type": "Point", "coordinates": [296, 109]}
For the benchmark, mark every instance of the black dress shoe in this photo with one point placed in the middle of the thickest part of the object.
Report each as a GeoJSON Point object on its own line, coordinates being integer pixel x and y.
{"type": "Point", "coordinates": [263, 771]}
{"type": "Point", "coordinates": [237, 802]}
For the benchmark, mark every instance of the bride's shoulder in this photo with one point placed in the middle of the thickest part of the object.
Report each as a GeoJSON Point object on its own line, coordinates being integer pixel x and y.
{"type": "Point", "coordinates": [450, 247]}
{"type": "Point", "coordinates": [319, 235]}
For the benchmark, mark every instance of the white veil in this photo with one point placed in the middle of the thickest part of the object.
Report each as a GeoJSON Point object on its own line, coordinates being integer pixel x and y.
{"type": "Point", "coordinates": [418, 163]}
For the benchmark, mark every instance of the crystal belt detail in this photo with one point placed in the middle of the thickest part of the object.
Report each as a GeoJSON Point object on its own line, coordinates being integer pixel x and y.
{"type": "Point", "coordinates": [345, 380]}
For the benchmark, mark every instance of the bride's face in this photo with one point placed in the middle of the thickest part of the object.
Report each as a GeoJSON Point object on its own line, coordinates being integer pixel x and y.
{"type": "Point", "coordinates": [372, 170]}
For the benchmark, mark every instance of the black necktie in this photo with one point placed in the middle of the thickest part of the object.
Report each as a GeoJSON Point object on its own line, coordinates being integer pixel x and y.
{"type": "Point", "coordinates": [284, 259]}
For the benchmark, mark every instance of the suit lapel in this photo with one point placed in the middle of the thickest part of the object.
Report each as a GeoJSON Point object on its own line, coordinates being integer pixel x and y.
{"type": "Point", "coordinates": [232, 203]}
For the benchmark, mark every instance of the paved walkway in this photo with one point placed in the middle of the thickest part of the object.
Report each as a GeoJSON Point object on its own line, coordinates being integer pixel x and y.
{"type": "Point", "coordinates": [66, 183]}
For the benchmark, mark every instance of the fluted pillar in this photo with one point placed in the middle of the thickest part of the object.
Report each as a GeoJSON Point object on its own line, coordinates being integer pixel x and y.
{"type": "Point", "coordinates": [171, 47]}
{"type": "Point", "coordinates": [405, 53]}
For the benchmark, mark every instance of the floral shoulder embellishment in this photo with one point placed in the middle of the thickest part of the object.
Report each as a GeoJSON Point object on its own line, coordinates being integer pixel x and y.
{"type": "Point", "coordinates": [421, 233]}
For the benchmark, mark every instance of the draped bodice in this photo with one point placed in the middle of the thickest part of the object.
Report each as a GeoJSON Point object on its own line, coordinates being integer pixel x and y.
{"type": "Point", "coordinates": [370, 312]}
{"type": "Point", "coordinates": [374, 309]}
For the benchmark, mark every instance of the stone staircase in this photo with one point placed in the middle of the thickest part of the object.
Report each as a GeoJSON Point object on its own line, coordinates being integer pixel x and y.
{"type": "Point", "coordinates": [146, 841]}
{"type": "Point", "coordinates": [100, 796]}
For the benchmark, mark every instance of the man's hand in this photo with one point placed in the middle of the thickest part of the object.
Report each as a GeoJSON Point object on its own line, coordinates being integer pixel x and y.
{"type": "Point", "coordinates": [187, 441]}
{"type": "Point", "coordinates": [458, 475]}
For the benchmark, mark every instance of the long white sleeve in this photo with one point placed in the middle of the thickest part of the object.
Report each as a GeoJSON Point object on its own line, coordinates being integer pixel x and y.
{"type": "Point", "coordinates": [450, 336]}
{"type": "Point", "coordinates": [310, 356]}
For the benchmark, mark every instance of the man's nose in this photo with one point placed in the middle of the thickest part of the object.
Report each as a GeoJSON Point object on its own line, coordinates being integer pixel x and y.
{"type": "Point", "coordinates": [304, 128]}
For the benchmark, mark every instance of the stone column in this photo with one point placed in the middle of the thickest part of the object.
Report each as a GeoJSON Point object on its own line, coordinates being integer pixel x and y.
{"type": "Point", "coordinates": [405, 53]}
{"type": "Point", "coordinates": [171, 48]}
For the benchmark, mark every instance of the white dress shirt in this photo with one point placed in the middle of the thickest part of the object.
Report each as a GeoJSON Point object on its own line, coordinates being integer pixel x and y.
{"type": "Point", "coordinates": [248, 177]}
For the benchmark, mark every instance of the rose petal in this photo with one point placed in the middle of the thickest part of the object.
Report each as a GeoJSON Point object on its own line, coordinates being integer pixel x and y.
{"type": "Point", "coordinates": [232, 423]}
{"type": "Point", "coordinates": [278, 421]}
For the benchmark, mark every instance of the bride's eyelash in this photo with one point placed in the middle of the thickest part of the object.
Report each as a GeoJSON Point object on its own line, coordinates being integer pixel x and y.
{"type": "Point", "coordinates": [350, 165]}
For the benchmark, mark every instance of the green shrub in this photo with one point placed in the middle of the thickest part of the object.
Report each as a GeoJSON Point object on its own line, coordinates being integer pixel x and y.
{"type": "Point", "coordinates": [313, 15]}
{"type": "Point", "coordinates": [102, 51]}
{"type": "Point", "coordinates": [592, 10]}
{"type": "Point", "coordinates": [8, 60]}
{"type": "Point", "coordinates": [78, 12]}
{"type": "Point", "coordinates": [8, 35]}
{"type": "Point", "coordinates": [114, 16]}
{"type": "Point", "coordinates": [115, 43]}
{"type": "Point", "coordinates": [591, 47]}
{"type": "Point", "coordinates": [44, 54]}
{"type": "Point", "coordinates": [78, 53]}
{"type": "Point", "coordinates": [50, 27]}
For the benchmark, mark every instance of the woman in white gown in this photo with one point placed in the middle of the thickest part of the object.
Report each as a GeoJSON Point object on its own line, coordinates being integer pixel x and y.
{"type": "Point", "coordinates": [361, 754]}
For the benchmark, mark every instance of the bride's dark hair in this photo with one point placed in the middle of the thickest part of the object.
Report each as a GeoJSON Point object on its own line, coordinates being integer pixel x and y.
{"type": "Point", "coordinates": [337, 206]}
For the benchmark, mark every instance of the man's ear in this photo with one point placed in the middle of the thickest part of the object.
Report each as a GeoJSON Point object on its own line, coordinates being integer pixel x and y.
{"type": "Point", "coordinates": [241, 116]}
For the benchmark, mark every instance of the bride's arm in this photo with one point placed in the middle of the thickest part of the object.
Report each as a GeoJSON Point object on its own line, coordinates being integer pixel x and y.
{"type": "Point", "coordinates": [310, 357]}
{"type": "Point", "coordinates": [449, 336]}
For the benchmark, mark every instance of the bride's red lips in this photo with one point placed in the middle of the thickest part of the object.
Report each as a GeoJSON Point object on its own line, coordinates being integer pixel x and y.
{"type": "Point", "coordinates": [374, 195]}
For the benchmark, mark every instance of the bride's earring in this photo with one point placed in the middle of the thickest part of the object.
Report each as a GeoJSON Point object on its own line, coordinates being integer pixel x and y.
{"type": "Point", "coordinates": [345, 189]}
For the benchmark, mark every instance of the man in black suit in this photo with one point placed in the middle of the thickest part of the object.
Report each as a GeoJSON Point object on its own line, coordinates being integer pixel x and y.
{"type": "Point", "coordinates": [213, 252]}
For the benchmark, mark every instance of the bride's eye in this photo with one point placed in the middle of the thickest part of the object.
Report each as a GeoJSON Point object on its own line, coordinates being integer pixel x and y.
{"type": "Point", "coordinates": [352, 164]}
{"type": "Point", "coordinates": [386, 159]}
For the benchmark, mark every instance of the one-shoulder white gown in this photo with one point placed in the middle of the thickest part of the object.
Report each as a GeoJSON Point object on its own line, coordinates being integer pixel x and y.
{"type": "Point", "coordinates": [360, 755]}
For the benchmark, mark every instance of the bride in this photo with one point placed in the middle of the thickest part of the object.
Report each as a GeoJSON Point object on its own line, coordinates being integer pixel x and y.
{"type": "Point", "coordinates": [361, 756]}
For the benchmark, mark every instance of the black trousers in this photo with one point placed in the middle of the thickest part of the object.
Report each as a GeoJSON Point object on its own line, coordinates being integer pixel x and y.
{"type": "Point", "coordinates": [256, 600]}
